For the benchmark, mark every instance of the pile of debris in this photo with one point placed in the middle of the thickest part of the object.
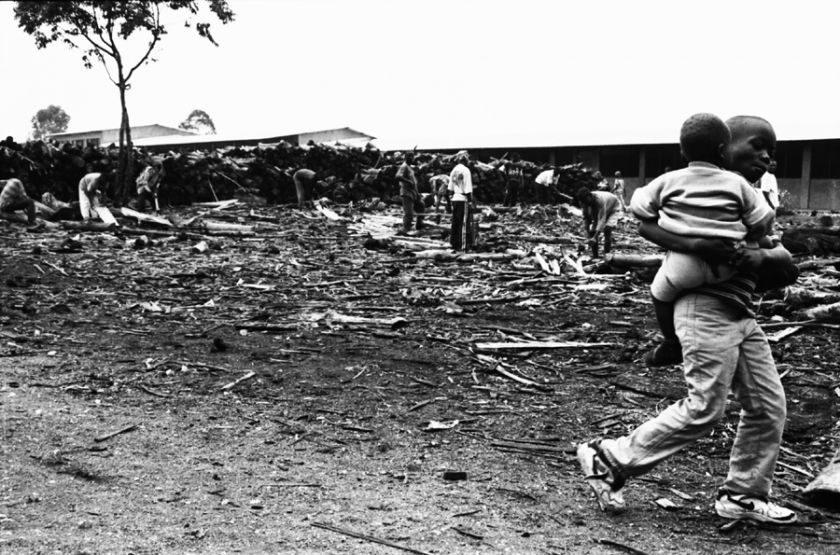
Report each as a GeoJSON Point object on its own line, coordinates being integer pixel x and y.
{"type": "Point", "coordinates": [344, 173]}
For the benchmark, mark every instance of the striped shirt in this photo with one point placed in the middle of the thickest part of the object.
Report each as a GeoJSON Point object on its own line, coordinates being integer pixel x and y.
{"type": "Point", "coordinates": [13, 192]}
{"type": "Point", "coordinates": [738, 292]}
{"type": "Point", "coordinates": [702, 200]}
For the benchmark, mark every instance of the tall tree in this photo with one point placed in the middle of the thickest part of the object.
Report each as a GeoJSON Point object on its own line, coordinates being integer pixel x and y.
{"type": "Point", "coordinates": [102, 31]}
{"type": "Point", "coordinates": [199, 122]}
{"type": "Point", "coordinates": [52, 119]}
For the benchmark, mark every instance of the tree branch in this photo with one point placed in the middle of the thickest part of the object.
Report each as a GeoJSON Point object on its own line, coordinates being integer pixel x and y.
{"type": "Point", "coordinates": [155, 37]}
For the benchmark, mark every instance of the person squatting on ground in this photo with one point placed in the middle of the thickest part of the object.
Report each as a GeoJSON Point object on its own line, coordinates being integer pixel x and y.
{"type": "Point", "coordinates": [701, 200]}
{"type": "Point", "coordinates": [148, 183]}
{"type": "Point", "coordinates": [723, 348]}
{"type": "Point", "coordinates": [411, 201]}
{"type": "Point", "coordinates": [13, 197]}
{"type": "Point", "coordinates": [514, 179]}
{"type": "Point", "coordinates": [463, 205]}
{"type": "Point", "coordinates": [600, 215]}
{"type": "Point", "coordinates": [304, 186]}
{"type": "Point", "coordinates": [90, 191]}
{"type": "Point", "coordinates": [618, 190]}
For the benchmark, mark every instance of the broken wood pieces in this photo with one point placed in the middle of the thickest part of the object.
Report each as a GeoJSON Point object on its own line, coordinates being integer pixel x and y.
{"type": "Point", "coordinates": [145, 218]}
{"type": "Point", "coordinates": [238, 381]}
{"type": "Point", "coordinates": [365, 537]}
{"type": "Point", "coordinates": [531, 345]}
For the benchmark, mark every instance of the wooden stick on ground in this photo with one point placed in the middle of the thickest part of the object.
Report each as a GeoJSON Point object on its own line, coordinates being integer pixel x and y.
{"type": "Point", "coordinates": [106, 437]}
{"type": "Point", "coordinates": [238, 380]}
{"type": "Point", "coordinates": [353, 534]}
{"type": "Point", "coordinates": [529, 345]}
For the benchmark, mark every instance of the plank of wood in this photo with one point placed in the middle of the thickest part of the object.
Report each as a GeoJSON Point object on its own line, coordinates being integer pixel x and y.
{"type": "Point", "coordinates": [529, 345]}
{"type": "Point", "coordinates": [238, 380]}
{"type": "Point", "coordinates": [146, 218]}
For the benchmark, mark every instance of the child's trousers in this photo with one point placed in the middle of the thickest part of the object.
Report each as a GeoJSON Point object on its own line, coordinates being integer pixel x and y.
{"type": "Point", "coordinates": [721, 350]}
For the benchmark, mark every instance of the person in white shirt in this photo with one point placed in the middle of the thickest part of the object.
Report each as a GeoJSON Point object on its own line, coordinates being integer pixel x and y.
{"type": "Point", "coordinates": [544, 181]}
{"type": "Point", "coordinates": [769, 186]}
{"type": "Point", "coordinates": [460, 184]}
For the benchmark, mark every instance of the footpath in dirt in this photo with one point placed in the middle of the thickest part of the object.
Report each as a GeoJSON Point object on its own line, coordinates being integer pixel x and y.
{"type": "Point", "coordinates": [254, 379]}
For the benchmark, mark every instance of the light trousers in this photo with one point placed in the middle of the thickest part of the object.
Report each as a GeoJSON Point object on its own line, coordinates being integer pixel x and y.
{"type": "Point", "coordinates": [722, 351]}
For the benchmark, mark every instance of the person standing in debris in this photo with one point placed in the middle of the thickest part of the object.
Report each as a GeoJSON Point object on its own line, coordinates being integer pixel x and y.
{"type": "Point", "coordinates": [13, 197]}
{"type": "Point", "coordinates": [409, 193]}
{"type": "Point", "coordinates": [618, 190]}
{"type": "Point", "coordinates": [90, 191]}
{"type": "Point", "coordinates": [544, 180]}
{"type": "Point", "coordinates": [769, 186]}
{"type": "Point", "coordinates": [701, 200]}
{"type": "Point", "coordinates": [600, 215]}
{"type": "Point", "coordinates": [723, 348]}
{"type": "Point", "coordinates": [148, 183]}
{"type": "Point", "coordinates": [514, 179]}
{"type": "Point", "coordinates": [463, 205]}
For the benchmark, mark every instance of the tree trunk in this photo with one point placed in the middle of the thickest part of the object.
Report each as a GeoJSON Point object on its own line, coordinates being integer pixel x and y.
{"type": "Point", "coordinates": [120, 177]}
{"type": "Point", "coordinates": [129, 155]}
{"type": "Point", "coordinates": [819, 241]}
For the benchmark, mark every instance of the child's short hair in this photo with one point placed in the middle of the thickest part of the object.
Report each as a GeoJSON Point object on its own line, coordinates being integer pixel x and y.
{"type": "Point", "coordinates": [701, 137]}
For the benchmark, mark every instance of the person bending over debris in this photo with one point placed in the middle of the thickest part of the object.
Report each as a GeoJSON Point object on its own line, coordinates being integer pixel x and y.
{"type": "Point", "coordinates": [701, 200]}
{"type": "Point", "coordinates": [600, 215]}
{"type": "Point", "coordinates": [410, 194]}
{"type": "Point", "coordinates": [148, 183]}
{"type": "Point", "coordinates": [440, 188]}
{"type": "Point", "coordinates": [304, 186]}
{"type": "Point", "coordinates": [723, 348]}
{"type": "Point", "coordinates": [463, 205]}
{"type": "Point", "coordinates": [13, 197]}
{"type": "Point", "coordinates": [90, 191]}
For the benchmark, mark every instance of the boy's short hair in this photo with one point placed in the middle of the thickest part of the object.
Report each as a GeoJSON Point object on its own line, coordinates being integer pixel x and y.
{"type": "Point", "coordinates": [701, 137]}
{"type": "Point", "coordinates": [737, 123]}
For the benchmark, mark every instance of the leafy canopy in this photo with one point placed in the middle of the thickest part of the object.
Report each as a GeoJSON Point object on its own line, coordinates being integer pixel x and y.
{"type": "Point", "coordinates": [94, 27]}
{"type": "Point", "coordinates": [200, 122]}
{"type": "Point", "coordinates": [52, 119]}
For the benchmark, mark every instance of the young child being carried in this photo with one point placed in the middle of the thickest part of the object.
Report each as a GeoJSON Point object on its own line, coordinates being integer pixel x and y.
{"type": "Point", "coordinates": [701, 200]}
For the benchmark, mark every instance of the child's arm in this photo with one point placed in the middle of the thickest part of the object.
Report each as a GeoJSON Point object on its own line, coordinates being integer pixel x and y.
{"type": "Point", "coordinates": [714, 251]}
{"type": "Point", "coordinates": [645, 202]}
{"type": "Point", "coordinates": [772, 262]}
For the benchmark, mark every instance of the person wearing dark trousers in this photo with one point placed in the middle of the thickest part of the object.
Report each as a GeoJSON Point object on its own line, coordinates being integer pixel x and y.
{"type": "Point", "coordinates": [463, 205]}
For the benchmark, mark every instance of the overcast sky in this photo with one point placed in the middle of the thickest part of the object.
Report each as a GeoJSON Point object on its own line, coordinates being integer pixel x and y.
{"type": "Point", "coordinates": [439, 73]}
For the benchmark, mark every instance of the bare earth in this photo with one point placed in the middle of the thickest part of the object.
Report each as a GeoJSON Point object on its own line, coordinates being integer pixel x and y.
{"type": "Point", "coordinates": [122, 433]}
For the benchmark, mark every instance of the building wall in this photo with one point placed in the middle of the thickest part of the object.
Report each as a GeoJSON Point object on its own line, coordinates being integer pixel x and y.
{"type": "Point", "coordinates": [329, 136]}
{"type": "Point", "coordinates": [108, 136]}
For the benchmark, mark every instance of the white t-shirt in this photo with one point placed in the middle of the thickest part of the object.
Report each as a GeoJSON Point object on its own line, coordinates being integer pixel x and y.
{"type": "Point", "coordinates": [460, 182]}
{"type": "Point", "coordinates": [545, 178]}
{"type": "Point", "coordinates": [769, 186]}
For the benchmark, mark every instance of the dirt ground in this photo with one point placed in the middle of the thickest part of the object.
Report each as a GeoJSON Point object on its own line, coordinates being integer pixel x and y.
{"type": "Point", "coordinates": [125, 430]}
